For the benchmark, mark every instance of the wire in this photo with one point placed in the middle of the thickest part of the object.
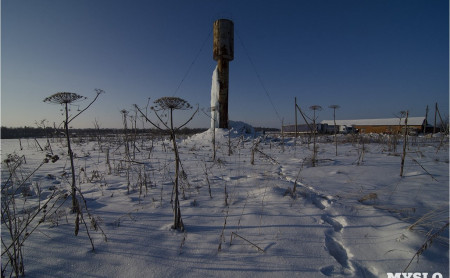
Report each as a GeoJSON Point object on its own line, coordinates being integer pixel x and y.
{"type": "Point", "coordinates": [193, 62]}
{"type": "Point", "coordinates": [258, 76]}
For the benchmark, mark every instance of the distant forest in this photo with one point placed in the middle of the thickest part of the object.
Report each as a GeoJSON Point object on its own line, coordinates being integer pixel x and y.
{"type": "Point", "coordinates": [39, 132]}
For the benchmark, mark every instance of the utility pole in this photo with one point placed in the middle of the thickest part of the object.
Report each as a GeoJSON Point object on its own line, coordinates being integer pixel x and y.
{"type": "Point", "coordinates": [295, 108]}
{"type": "Point", "coordinates": [435, 114]}
{"type": "Point", "coordinates": [405, 139]}
{"type": "Point", "coordinates": [334, 107]}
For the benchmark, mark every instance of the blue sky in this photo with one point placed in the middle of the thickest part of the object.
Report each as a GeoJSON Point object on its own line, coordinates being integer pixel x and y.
{"type": "Point", "coordinates": [373, 58]}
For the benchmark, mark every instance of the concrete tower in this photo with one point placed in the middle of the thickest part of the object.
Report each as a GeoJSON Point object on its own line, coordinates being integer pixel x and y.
{"type": "Point", "coordinates": [223, 52]}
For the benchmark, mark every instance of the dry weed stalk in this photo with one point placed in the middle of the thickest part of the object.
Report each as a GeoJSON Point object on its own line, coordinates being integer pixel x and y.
{"type": "Point", "coordinates": [213, 139]}
{"type": "Point", "coordinates": [241, 237]}
{"type": "Point", "coordinates": [254, 148]}
{"type": "Point", "coordinates": [421, 166]}
{"type": "Point", "coordinates": [226, 195]}
{"type": "Point", "coordinates": [429, 217]}
{"type": "Point", "coordinates": [334, 107]}
{"type": "Point", "coordinates": [20, 224]}
{"type": "Point", "coordinates": [370, 196]}
{"type": "Point", "coordinates": [427, 244]}
{"type": "Point", "coordinates": [207, 180]}
{"type": "Point", "coordinates": [405, 140]}
{"type": "Point", "coordinates": [296, 179]}
{"type": "Point", "coordinates": [361, 151]}
{"type": "Point", "coordinates": [222, 236]}
{"type": "Point", "coordinates": [170, 104]}
{"type": "Point", "coordinates": [65, 99]}
{"type": "Point", "coordinates": [183, 241]}
{"type": "Point", "coordinates": [314, 108]}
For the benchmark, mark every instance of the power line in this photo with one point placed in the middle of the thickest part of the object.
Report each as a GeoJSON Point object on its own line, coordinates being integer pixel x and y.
{"type": "Point", "coordinates": [258, 76]}
{"type": "Point", "coordinates": [193, 62]}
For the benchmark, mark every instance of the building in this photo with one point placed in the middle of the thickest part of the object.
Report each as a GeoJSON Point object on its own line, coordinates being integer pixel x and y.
{"type": "Point", "coordinates": [304, 128]}
{"type": "Point", "coordinates": [387, 126]}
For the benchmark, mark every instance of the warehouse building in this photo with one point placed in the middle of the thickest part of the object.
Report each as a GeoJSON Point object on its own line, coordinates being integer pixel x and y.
{"type": "Point", "coordinates": [386, 126]}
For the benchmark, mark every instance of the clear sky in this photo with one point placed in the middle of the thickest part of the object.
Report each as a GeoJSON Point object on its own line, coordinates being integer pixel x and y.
{"type": "Point", "coordinates": [373, 58]}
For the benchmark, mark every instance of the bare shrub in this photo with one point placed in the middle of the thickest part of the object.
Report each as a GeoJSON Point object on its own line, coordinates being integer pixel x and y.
{"type": "Point", "coordinates": [21, 212]}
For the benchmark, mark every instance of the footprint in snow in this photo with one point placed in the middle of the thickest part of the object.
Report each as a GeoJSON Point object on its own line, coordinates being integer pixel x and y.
{"type": "Point", "coordinates": [320, 201]}
{"type": "Point", "coordinates": [338, 223]}
{"type": "Point", "coordinates": [338, 252]}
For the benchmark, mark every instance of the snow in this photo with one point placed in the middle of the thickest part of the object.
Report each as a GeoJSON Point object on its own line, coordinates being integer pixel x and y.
{"type": "Point", "coordinates": [351, 215]}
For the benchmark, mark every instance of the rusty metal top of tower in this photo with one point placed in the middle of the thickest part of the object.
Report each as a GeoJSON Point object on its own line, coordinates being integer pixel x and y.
{"type": "Point", "coordinates": [223, 41]}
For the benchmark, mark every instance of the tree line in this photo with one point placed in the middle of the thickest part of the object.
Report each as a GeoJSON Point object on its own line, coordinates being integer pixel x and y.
{"type": "Point", "coordinates": [39, 132]}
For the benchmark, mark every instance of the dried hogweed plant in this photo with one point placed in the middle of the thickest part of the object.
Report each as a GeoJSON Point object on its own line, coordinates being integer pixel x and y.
{"type": "Point", "coordinates": [65, 99]}
{"type": "Point", "coordinates": [170, 104]}
{"type": "Point", "coordinates": [315, 108]}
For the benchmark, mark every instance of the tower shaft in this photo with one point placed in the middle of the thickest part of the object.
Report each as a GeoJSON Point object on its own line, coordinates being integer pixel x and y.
{"type": "Point", "coordinates": [223, 52]}
{"type": "Point", "coordinates": [223, 74]}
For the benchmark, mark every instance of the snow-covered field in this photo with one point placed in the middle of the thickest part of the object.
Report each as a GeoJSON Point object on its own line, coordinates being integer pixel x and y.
{"type": "Point", "coordinates": [351, 216]}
